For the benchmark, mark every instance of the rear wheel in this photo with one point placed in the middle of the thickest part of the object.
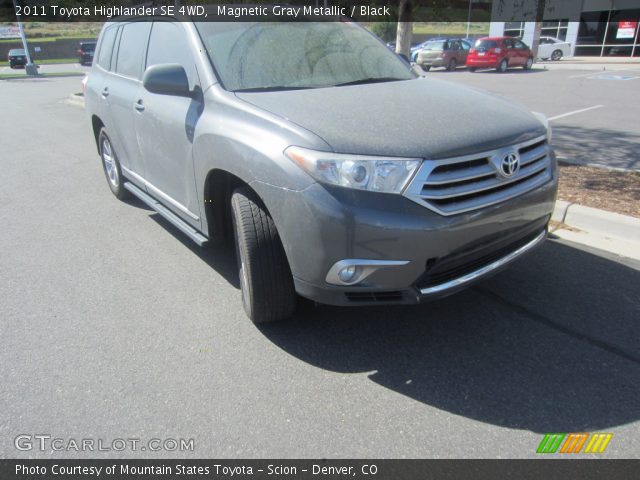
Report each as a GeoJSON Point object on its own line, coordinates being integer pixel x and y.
{"type": "Point", "coordinates": [556, 55]}
{"type": "Point", "coordinates": [426, 68]}
{"type": "Point", "coordinates": [452, 65]}
{"type": "Point", "coordinates": [502, 66]}
{"type": "Point", "coordinates": [111, 166]}
{"type": "Point", "coordinates": [472, 69]}
{"type": "Point", "coordinates": [529, 64]}
{"type": "Point", "coordinates": [266, 282]}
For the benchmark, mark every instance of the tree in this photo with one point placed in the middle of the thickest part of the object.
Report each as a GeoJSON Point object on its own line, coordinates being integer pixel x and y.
{"type": "Point", "coordinates": [535, 43]}
{"type": "Point", "coordinates": [405, 28]}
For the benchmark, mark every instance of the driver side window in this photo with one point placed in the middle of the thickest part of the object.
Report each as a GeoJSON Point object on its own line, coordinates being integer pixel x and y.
{"type": "Point", "coordinates": [168, 44]}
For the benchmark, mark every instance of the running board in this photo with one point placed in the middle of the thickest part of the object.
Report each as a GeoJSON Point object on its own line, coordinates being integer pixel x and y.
{"type": "Point", "coordinates": [168, 215]}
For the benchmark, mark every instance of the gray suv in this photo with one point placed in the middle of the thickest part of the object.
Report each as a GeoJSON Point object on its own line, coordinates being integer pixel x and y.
{"type": "Point", "coordinates": [340, 174]}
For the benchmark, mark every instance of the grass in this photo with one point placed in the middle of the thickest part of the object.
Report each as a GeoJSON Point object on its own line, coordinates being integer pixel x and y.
{"type": "Point", "coordinates": [51, 31]}
{"type": "Point", "coordinates": [45, 61]}
{"type": "Point", "coordinates": [450, 28]}
{"type": "Point", "coordinates": [14, 76]}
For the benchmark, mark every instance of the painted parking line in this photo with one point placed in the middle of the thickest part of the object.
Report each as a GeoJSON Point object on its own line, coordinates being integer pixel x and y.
{"type": "Point", "coordinates": [630, 71]}
{"type": "Point", "coordinates": [575, 112]}
{"type": "Point", "coordinates": [609, 76]}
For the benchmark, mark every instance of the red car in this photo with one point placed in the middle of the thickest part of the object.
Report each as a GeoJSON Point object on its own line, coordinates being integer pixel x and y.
{"type": "Point", "coordinates": [499, 53]}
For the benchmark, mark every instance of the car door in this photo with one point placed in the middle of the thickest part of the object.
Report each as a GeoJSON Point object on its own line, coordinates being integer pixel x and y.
{"type": "Point", "coordinates": [522, 52]}
{"type": "Point", "coordinates": [512, 53]}
{"type": "Point", "coordinates": [165, 125]}
{"type": "Point", "coordinates": [544, 48]}
{"type": "Point", "coordinates": [120, 89]}
{"type": "Point", "coordinates": [463, 52]}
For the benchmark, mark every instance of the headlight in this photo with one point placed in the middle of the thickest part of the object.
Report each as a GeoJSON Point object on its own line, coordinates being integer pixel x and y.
{"type": "Point", "coordinates": [545, 121]}
{"type": "Point", "coordinates": [376, 174]}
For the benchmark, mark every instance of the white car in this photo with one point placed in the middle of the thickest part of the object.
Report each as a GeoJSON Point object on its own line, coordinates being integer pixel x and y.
{"type": "Point", "coordinates": [553, 48]}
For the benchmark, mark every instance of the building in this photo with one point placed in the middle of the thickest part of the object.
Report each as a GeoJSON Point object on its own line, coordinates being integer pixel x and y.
{"type": "Point", "coordinates": [597, 28]}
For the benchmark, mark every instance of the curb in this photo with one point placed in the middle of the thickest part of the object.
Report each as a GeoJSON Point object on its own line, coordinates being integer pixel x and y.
{"type": "Point", "coordinates": [605, 223]}
{"type": "Point", "coordinates": [76, 99]}
{"type": "Point", "coordinates": [587, 163]}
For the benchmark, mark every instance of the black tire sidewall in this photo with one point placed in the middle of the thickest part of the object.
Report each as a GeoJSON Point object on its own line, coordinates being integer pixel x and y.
{"type": "Point", "coordinates": [265, 278]}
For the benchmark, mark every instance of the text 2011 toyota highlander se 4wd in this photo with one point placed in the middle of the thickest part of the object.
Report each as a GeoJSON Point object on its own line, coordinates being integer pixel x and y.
{"type": "Point", "coordinates": [341, 176]}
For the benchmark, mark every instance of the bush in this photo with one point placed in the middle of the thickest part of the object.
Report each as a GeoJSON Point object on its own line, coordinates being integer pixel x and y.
{"type": "Point", "coordinates": [385, 30]}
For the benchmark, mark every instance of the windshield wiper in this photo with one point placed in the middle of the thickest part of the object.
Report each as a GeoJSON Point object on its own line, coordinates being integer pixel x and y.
{"type": "Point", "coordinates": [362, 81]}
{"type": "Point", "coordinates": [276, 88]}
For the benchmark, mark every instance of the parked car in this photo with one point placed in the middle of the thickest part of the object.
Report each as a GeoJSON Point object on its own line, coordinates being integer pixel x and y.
{"type": "Point", "coordinates": [553, 48]}
{"type": "Point", "coordinates": [17, 57]}
{"type": "Point", "coordinates": [499, 53]}
{"type": "Point", "coordinates": [85, 52]}
{"type": "Point", "coordinates": [449, 54]}
{"type": "Point", "coordinates": [305, 143]}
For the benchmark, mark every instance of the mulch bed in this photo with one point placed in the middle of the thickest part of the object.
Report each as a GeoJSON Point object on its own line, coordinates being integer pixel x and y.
{"type": "Point", "coordinates": [600, 188]}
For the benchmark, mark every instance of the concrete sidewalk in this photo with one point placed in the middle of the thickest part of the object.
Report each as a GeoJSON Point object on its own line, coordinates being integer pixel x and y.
{"type": "Point", "coordinates": [612, 232]}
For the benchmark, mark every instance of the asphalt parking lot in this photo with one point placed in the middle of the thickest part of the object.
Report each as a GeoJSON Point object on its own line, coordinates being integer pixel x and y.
{"type": "Point", "coordinates": [115, 326]}
{"type": "Point", "coordinates": [592, 118]}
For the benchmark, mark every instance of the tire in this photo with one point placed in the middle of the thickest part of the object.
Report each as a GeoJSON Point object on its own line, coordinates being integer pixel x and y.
{"type": "Point", "coordinates": [529, 64]}
{"type": "Point", "coordinates": [556, 55]}
{"type": "Point", "coordinates": [502, 67]}
{"type": "Point", "coordinates": [266, 283]}
{"type": "Point", "coordinates": [111, 166]}
{"type": "Point", "coordinates": [426, 68]}
{"type": "Point", "coordinates": [472, 69]}
{"type": "Point", "coordinates": [451, 67]}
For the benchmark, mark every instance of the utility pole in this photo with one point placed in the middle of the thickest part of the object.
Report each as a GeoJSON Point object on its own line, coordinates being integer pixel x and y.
{"type": "Point", "coordinates": [30, 68]}
{"type": "Point", "coordinates": [469, 18]}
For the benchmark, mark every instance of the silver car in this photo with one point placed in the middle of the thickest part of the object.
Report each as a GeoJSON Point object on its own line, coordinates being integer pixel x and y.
{"type": "Point", "coordinates": [339, 174]}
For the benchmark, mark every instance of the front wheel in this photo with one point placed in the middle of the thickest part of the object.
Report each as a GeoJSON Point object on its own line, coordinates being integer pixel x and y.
{"type": "Point", "coordinates": [529, 64]}
{"type": "Point", "coordinates": [266, 282]}
{"type": "Point", "coordinates": [502, 66]}
{"type": "Point", "coordinates": [472, 69]}
{"type": "Point", "coordinates": [426, 68]}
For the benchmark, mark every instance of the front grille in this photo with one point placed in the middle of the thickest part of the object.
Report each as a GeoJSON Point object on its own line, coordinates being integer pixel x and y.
{"type": "Point", "coordinates": [461, 184]}
{"type": "Point", "coordinates": [374, 296]}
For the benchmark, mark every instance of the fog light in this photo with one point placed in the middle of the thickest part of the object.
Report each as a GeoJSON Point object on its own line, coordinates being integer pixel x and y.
{"type": "Point", "coordinates": [349, 274]}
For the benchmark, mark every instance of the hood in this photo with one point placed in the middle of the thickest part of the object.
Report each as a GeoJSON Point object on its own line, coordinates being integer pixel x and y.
{"type": "Point", "coordinates": [421, 118]}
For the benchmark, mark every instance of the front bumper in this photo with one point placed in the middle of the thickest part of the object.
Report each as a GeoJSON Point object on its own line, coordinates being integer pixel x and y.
{"type": "Point", "coordinates": [322, 225]}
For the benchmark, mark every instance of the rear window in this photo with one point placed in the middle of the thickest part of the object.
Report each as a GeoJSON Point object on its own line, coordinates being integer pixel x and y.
{"type": "Point", "coordinates": [486, 44]}
{"type": "Point", "coordinates": [106, 47]}
{"type": "Point", "coordinates": [88, 47]}
{"type": "Point", "coordinates": [16, 51]}
{"type": "Point", "coordinates": [435, 46]}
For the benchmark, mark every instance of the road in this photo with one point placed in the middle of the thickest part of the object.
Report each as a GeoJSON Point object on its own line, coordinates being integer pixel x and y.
{"type": "Point", "coordinates": [115, 326]}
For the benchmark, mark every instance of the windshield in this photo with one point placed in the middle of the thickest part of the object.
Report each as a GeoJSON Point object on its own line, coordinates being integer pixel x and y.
{"type": "Point", "coordinates": [434, 46]}
{"type": "Point", "coordinates": [289, 55]}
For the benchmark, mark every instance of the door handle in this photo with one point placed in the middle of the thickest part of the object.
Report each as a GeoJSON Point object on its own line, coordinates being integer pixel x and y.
{"type": "Point", "coordinates": [139, 106]}
{"type": "Point", "coordinates": [105, 92]}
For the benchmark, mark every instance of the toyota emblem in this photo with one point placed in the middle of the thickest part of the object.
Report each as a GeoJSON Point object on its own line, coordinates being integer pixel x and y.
{"type": "Point", "coordinates": [510, 164]}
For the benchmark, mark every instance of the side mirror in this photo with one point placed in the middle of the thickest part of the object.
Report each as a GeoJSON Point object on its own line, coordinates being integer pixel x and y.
{"type": "Point", "coordinates": [167, 79]}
